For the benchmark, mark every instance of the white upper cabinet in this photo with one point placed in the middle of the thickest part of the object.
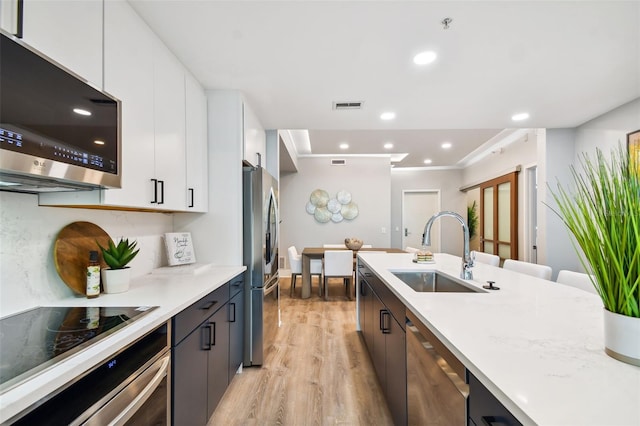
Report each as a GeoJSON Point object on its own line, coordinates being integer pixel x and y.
{"type": "Point", "coordinates": [255, 142]}
{"type": "Point", "coordinates": [196, 144]}
{"type": "Point", "coordinates": [158, 119]}
{"type": "Point", "coordinates": [67, 31]}
{"type": "Point", "coordinates": [129, 46]}
{"type": "Point", "coordinates": [169, 107]}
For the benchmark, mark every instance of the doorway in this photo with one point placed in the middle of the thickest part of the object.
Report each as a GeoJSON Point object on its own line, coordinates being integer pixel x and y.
{"type": "Point", "coordinates": [417, 207]}
{"type": "Point", "coordinates": [531, 214]}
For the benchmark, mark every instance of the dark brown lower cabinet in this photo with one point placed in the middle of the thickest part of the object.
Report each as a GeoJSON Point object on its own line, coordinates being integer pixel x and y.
{"type": "Point", "coordinates": [385, 337]}
{"type": "Point", "coordinates": [483, 407]}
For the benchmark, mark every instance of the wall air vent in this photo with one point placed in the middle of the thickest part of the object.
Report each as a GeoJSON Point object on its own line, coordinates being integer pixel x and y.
{"type": "Point", "coordinates": [347, 105]}
{"type": "Point", "coordinates": [338, 162]}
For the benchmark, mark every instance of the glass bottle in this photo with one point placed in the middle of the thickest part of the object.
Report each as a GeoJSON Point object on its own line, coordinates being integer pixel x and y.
{"type": "Point", "coordinates": [93, 275]}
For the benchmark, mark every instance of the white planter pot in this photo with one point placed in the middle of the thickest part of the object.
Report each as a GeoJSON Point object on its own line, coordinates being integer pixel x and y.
{"type": "Point", "coordinates": [116, 280]}
{"type": "Point", "coordinates": [622, 337]}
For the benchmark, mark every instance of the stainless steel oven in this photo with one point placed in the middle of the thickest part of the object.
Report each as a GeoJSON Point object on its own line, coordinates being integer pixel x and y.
{"type": "Point", "coordinates": [132, 387]}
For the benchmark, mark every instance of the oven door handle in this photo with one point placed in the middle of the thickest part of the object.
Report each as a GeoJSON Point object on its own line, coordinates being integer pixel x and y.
{"type": "Point", "coordinates": [112, 412]}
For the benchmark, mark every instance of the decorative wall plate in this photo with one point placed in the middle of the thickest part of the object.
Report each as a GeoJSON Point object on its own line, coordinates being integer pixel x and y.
{"type": "Point", "coordinates": [310, 208]}
{"type": "Point", "coordinates": [322, 215]}
{"type": "Point", "coordinates": [349, 211]}
{"type": "Point", "coordinates": [334, 205]}
{"type": "Point", "coordinates": [343, 197]}
{"type": "Point", "coordinates": [319, 198]}
{"type": "Point", "coordinates": [336, 217]}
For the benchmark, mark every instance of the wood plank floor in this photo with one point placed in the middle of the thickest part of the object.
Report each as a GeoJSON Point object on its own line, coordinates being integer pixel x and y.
{"type": "Point", "coordinates": [317, 372]}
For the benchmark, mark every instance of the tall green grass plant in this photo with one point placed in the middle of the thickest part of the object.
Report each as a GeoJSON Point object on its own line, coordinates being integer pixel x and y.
{"type": "Point", "coordinates": [603, 214]}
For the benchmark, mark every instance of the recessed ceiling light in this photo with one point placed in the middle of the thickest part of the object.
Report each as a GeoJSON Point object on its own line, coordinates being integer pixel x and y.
{"type": "Point", "coordinates": [446, 145]}
{"type": "Point", "coordinates": [424, 58]}
{"type": "Point", "coordinates": [98, 142]}
{"type": "Point", "coordinates": [388, 145]}
{"type": "Point", "coordinates": [520, 116]}
{"type": "Point", "coordinates": [428, 161]}
{"type": "Point", "coordinates": [81, 111]}
{"type": "Point", "coordinates": [388, 115]}
{"type": "Point", "coordinates": [344, 146]}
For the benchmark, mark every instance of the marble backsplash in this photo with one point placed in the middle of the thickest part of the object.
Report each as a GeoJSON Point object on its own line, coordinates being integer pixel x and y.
{"type": "Point", "coordinates": [28, 276]}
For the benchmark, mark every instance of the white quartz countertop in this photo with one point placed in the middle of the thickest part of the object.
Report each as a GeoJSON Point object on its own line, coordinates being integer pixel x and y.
{"type": "Point", "coordinates": [171, 293]}
{"type": "Point", "coordinates": [538, 346]}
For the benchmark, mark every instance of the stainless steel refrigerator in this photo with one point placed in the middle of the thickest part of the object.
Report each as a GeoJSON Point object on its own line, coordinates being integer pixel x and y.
{"type": "Point", "coordinates": [260, 247]}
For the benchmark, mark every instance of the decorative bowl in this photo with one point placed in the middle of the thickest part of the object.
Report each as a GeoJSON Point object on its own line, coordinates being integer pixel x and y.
{"type": "Point", "coordinates": [353, 243]}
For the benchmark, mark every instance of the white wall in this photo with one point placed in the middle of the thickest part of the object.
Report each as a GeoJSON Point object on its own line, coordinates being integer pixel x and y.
{"type": "Point", "coordinates": [368, 181]}
{"type": "Point", "coordinates": [554, 247]}
{"type": "Point", "coordinates": [449, 183]}
{"type": "Point", "coordinates": [523, 152]}
{"type": "Point", "coordinates": [27, 233]}
{"type": "Point", "coordinates": [604, 132]}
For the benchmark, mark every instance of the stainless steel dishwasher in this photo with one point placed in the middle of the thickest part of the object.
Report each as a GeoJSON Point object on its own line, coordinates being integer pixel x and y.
{"type": "Point", "coordinates": [436, 389]}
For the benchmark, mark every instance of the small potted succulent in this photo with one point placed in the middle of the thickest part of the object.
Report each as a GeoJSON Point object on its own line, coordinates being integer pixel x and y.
{"type": "Point", "coordinates": [116, 278]}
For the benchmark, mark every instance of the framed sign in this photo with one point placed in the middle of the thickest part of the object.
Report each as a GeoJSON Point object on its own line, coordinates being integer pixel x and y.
{"type": "Point", "coordinates": [633, 145]}
{"type": "Point", "coordinates": [179, 248]}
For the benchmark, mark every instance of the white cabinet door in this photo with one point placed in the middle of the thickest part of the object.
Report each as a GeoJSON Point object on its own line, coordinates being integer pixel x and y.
{"type": "Point", "coordinates": [196, 139]}
{"type": "Point", "coordinates": [255, 140]}
{"type": "Point", "coordinates": [169, 106]}
{"type": "Point", "coordinates": [69, 32]}
{"type": "Point", "coordinates": [129, 48]}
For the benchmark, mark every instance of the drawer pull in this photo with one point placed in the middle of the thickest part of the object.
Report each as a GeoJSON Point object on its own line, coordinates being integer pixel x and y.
{"type": "Point", "coordinates": [208, 305]}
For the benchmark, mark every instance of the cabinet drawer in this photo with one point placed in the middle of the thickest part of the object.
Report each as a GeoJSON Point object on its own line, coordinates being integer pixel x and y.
{"type": "Point", "coordinates": [236, 285]}
{"type": "Point", "coordinates": [484, 408]}
{"type": "Point", "coordinates": [187, 320]}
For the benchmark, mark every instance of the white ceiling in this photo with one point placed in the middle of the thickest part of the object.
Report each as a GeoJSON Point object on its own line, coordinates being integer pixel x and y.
{"type": "Point", "coordinates": [564, 62]}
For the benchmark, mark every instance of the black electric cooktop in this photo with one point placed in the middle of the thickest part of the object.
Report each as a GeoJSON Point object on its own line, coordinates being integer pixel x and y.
{"type": "Point", "coordinates": [35, 340]}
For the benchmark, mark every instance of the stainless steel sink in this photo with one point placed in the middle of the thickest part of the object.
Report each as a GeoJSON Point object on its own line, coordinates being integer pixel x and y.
{"type": "Point", "coordinates": [434, 282]}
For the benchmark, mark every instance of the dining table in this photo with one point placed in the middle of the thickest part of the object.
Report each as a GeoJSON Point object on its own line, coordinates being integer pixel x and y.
{"type": "Point", "coordinates": [309, 253]}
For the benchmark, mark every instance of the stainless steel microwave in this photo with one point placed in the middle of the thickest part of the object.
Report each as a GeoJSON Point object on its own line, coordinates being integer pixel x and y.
{"type": "Point", "coordinates": [57, 132]}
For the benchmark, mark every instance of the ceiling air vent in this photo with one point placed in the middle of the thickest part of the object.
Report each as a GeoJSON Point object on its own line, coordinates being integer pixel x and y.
{"type": "Point", "coordinates": [338, 162]}
{"type": "Point", "coordinates": [347, 105]}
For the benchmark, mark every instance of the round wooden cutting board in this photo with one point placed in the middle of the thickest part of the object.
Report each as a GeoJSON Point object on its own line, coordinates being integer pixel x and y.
{"type": "Point", "coordinates": [71, 252]}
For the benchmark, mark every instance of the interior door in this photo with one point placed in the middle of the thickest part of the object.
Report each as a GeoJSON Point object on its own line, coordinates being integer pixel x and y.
{"type": "Point", "coordinates": [417, 207]}
{"type": "Point", "coordinates": [499, 216]}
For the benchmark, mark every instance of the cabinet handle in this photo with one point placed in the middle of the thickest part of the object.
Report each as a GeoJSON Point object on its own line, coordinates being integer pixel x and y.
{"type": "Point", "coordinates": [208, 305]}
{"type": "Point", "coordinates": [206, 337]}
{"type": "Point", "coordinates": [384, 314]}
{"type": "Point", "coordinates": [161, 182]}
{"type": "Point", "coordinates": [363, 292]}
{"type": "Point", "coordinates": [232, 305]}
{"type": "Point", "coordinates": [191, 196]}
{"type": "Point", "coordinates": [155, 191]}
{"type": "Point", "coordinates": [490, 420]}
{"type": "Point", "coordinates": [20, 19]}
{"type": "Point", "coordinates": [367, 274]}
{"type": "Point", "coordinates": [212, 336]}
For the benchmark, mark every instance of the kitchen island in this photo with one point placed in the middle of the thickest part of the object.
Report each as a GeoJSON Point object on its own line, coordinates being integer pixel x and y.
{"type": "Point", "coordinates": [538, 346]}
{"type": "Point", "coordinates": [171, 293]}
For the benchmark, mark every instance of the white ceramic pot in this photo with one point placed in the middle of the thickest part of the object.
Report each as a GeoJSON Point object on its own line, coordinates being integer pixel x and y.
{"type": "Point", "coordinates": [622, 337]}
{"type": "Point", "coordinates": [116, 280]}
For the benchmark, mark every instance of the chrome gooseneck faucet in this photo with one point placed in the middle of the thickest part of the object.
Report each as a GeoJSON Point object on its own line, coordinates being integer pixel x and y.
{"type": "Point", "coordinates": [467, 262]}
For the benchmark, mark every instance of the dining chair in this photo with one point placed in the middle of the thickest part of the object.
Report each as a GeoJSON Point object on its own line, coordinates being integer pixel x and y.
{"type": "Point", "coordinates": [295, 263]}
{"type": "Point", "coordinates": [533, 269]}
{"type": "Point", "coordinates": [338, 246]}
{"type": "Point", "coordinates": [487, 258]}
{"type": "Point", "coordinates": [577, 280]}
{"type": "Point", "coordinates": [338, 264]}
